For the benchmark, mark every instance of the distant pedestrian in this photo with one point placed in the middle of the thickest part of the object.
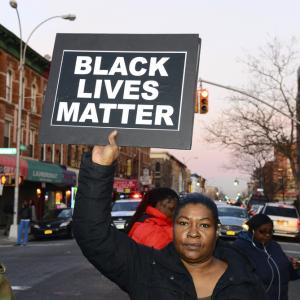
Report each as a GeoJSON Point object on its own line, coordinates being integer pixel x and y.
{"type": "Point", "coordinates": [270, 262]}
{"type": "Point", "coordinates": [23, 229]}
{"type": "Point", "coordinates": [152, 224]}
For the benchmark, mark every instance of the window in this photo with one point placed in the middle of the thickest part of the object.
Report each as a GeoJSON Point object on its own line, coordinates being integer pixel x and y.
{"type": "Point", "coordinates": [157, 169]}
{"type": "Point", "coordinates": [6, 136]}
{"type": "Point", "coordinates": [9, 85]}
{"type": "Point", "coordinates": [33, 98]}
{"type": "Point", "coordinates": [31, 142]}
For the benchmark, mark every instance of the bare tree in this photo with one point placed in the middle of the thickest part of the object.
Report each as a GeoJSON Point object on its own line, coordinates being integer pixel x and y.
{"type": "Point", "coordinates": [253, 130]}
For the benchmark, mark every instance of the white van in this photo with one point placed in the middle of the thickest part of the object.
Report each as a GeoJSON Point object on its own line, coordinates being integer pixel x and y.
{"type": "Point", "coordinates": [285, 218]}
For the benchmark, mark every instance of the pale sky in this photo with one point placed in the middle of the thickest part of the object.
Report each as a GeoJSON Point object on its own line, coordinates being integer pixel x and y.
{"type": "Point", "coordinates": [229, 29]}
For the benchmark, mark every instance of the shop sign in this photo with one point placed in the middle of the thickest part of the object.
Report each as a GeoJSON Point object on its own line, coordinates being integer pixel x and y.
{"type": "Point", "coordinates": [125, 185]}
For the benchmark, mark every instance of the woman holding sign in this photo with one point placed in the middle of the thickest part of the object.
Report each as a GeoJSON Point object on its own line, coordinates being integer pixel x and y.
{"type": "Point", "coordinates": [193, 266]}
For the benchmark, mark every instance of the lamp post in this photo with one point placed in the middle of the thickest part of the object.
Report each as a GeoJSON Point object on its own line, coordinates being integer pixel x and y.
{"type": "Point", "coordinates": [14, 227]}
{"type": "Point", "coordinates": [298, 140]}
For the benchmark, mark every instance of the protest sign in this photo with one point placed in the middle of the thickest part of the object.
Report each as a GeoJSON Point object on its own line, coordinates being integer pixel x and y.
{"type": "Point", "coordinates": [141, 85]}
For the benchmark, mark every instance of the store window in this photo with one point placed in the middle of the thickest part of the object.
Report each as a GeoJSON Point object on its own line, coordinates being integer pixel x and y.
{"type": "Point", "coordinates": [6, 136]}
{"type": "Point", "coordinates": [31, 142]}
{"type": "Point", "coordinates": [9, 86]}
{"type": "Point", "coordinates": [157, 169]}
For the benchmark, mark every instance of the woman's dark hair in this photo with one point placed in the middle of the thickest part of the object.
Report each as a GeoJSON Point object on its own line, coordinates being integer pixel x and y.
{"type": "Point", "coordinates": [197, 198]}
{"type": "Point", "coordinates": [151, 198]}
{"type": "Point", "coordinates": [258, 220]}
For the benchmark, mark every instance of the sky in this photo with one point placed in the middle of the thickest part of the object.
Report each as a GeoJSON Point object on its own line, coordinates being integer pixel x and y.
{"type": "Point", "coordinates": [229, 30]}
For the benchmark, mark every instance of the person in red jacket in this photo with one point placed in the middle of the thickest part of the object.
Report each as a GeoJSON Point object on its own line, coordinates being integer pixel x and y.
{"type": "Point", "coordinates": [151, 225]}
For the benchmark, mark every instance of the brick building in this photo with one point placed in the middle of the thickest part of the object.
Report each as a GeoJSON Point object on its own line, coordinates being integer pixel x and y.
{"type": "Point", "coordinates": [170, 172]}
{"type": "Point", "coordinates": [275, 178]}
{"type": "Point", "coordinates": [48, 171]}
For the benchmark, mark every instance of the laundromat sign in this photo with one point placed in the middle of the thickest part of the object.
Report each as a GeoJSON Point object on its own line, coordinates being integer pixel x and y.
{"type": "Point", "coordinates": [141, 85]}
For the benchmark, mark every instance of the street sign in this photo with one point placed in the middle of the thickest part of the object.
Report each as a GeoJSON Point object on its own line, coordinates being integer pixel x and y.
{"type": "Point", "coordinates": [23, 147]}
{"type": "Point", "coordinates": [10, 151]}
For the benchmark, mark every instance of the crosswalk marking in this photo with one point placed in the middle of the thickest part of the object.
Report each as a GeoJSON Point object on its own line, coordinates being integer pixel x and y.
{"type": "Point", "coordinates": [20, 287]}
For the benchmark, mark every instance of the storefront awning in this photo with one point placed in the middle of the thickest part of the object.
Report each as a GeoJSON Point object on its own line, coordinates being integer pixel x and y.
{"type": "Point", "coordinates": [8, 165]}
{"type": "Point", "coordinates": [69, 177]}
{"type": "Point", "coordinates": [34, 170]}
{"type": "Point", "coordinates": [44, 172]}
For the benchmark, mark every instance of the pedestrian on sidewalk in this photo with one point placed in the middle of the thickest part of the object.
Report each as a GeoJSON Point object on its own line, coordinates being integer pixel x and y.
{"type": "Point", "coordinates": [152, 223]}
{"type": "Point", "coordinates": [23, 228]}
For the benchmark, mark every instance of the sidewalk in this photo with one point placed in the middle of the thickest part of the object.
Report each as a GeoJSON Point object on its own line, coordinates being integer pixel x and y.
{"type": "Point", "coordinates": [4, 240]}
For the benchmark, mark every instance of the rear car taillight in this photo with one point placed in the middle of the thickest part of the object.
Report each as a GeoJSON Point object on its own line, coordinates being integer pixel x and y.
{"type": "Point", "coordinates": [299, 223]}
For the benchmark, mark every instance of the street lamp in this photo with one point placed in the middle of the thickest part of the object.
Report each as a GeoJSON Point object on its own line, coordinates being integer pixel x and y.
{"type": "Point", "coordinates": [14, 227]}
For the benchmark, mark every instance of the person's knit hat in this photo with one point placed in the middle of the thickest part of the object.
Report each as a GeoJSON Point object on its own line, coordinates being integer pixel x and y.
{"type": "Point", "coordinates": [258, 220]}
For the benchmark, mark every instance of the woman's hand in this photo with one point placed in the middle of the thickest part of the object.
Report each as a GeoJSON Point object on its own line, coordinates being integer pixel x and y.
{"type": "Point", "coordinates": [295, 262]}
{"type": "Point", "coordinates": [106, 155]}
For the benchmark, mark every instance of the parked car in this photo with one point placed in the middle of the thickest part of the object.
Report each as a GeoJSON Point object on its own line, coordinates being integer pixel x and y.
{"type": "Point", "coordinates": [285, 218]}
{"type": "Point", "coordinates": [232, 220]}
{"type": "Point", "coordinates": [122, 212]}
{"type": "Point", "coordinates": [55, 223]}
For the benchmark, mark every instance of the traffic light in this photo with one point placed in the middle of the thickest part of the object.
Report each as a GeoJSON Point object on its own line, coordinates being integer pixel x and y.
{"type": "Point", "coordinates": [3, 179]}
{"type": "Point", "coordinates": [9, 179]}
{"type": "Point", "coordinates": [197, 102]}
{"type": "Point", "coordinates": [203, 101]}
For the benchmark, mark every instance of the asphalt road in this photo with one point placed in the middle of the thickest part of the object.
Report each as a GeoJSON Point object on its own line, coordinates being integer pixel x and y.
{"type": "Point", "coordinates": [56, 270]}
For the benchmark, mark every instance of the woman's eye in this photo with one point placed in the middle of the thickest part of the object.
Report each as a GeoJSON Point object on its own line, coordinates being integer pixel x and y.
{"type": "Point", "coordinates": [204, 225]}
{"type": "Point", "coordinates": [182, 223]}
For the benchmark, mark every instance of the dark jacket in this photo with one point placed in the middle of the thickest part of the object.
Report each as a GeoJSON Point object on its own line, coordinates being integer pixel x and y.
{"type": "Point", "coordinates": [268, 262]}
{"type": "Point", "coordinates": [25, 213]}
{"type": "Point", "coordinates": [143, 272]}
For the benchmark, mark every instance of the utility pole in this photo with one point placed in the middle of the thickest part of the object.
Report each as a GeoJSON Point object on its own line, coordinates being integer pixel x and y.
{"type": "Point", "coordinates": [298, 141]}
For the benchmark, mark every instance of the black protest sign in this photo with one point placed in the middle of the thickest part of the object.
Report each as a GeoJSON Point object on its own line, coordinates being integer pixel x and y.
{"type": "Point", "coordinates": [141, 85]}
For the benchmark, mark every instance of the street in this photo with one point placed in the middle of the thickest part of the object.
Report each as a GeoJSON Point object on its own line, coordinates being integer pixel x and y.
{"type": "Point", "coordinates": [56, 270]}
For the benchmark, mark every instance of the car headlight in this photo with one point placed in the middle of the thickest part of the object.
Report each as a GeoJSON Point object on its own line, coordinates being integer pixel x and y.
{"type": "Point", "coordinates": [245, 227]}
{"type": "Point", "coordinates": [64, 224]}
{"type": "Point", "coordinates": [36, 226]}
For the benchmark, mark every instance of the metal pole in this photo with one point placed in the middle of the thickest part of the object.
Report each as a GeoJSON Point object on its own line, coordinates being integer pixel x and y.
{"type": "Point", "coordinates": [298, 141]}
{"type": "Point", "coordinates": [297, 120]}
{"type": "Point", "coordinates": [13, 232]}
{"type": "Point", "coordinates": [139, 165]}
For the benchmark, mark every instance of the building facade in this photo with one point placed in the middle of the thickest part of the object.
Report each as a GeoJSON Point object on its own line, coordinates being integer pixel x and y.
{"type": "Point", "coordinates": [48, 172]}
{"type": "Point", "coordinates": [275, 180]}
{"type": "Point", "coordinates": [170, 172]}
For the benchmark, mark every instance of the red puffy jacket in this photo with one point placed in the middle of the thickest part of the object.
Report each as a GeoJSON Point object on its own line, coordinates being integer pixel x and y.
{"type": "Point", "coordinates": [156, 231]}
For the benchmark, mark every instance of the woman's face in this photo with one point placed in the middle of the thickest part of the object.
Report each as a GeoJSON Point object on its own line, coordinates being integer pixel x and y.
{"type": "Point", "coordinates": [264, 233]}
{"type": "Point", "coordinates": [195, 233]}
